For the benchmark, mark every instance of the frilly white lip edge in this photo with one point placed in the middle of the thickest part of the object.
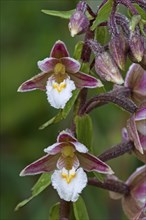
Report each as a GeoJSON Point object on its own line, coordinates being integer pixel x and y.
{"type": "Point", "coordinates": [56, 98]}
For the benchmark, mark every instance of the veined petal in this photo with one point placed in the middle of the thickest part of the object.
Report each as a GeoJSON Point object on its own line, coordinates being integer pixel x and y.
{"type": "Point", "coordinates": [83, 80]}
{"type": "Point", "coordinates": [69, 191]}
{"type": "Point", "coordinates": [44, 164]}
{"type": "Point", "coordinates": [54, 148]}
{"type": "Point", "coordinates": [59, 94]}
{"type": "Point", "coordinates": [133, 134]}
{"type": "Point", "coordinates": [141, 114]}
{"type": "Point", "coordinates": [80, 147]}
{"type": "Point", "coordinates": [65, 162]}
{"type": "Point", "coordinates": [48, 64]}
{"type": "Point", "coordinates": [37, 82]}
{"type": "Point", "coordinates": [66, 136]}
{"type": "Point", "coordinates": [59, 50]}
{"type": "Point", "coordinates": [71, 65]}
{"type": "Point", "coordinates": [92, 163]}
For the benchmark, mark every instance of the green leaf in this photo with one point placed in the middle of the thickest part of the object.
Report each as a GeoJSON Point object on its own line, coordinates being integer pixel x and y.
{"type": "Point", "coordinates": [99, 176]}
{"type": "Point", "coordinates": [103, 14]}
{"type": "Point", "coordinates": [63, 113]}
{"type": "Point", "coordinates": [78, 50]}
{"type": "Point", "coordinates": [42, 183]}
{"type": "Point", "coordinates": [140, 11]}
{"type": "Point", "coordinates": [102, 35]}
{"type": "Point", "coordinates": [134, 22]}
{"type": "Point", "coordinates": [84, 129]}
{"type": "Point", "coordinates": [54, 212]}
{"type": "Point", "coordinates": [80, 210]}
{"type": "Point", "coordinates": [85, 68]}
{"type": "Point", "coordinates": [60, 14]}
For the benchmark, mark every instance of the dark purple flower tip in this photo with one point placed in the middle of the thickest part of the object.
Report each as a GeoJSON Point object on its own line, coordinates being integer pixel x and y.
{"type": "Point", "coordinates": [83, 80]}
{"type": "Point", "coordinates": [37, 82]}
{"type": "Point", "coordinates": [59, 50]}
{"type": "Point", "coordinates": [92, 163]}
{"type": "Point", "coordinates": [42, 165]}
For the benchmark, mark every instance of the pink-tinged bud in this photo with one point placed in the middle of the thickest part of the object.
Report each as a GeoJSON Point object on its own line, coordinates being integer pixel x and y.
{"type": "Point", "coordinates": [136, 44]}
{"type": "Point", "coordinates": [107, 69]}
{"type": "Point", "coordinates": [136, 81]}
{"type": "Point", "coordinates": [118, 48]}
{"type": "Point", "coordinates": [79, 23]}
{"type": "Point", "coordinates": [105, 65]}
{"type": "Point", "coordinates": [134, 204]}
{"type": "Point", "coordinates": [136, 127]}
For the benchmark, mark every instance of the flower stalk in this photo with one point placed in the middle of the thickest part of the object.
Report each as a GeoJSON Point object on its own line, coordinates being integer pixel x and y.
{"type": "Point", "coordinates": [117, 150]}
{"type": "Point", "coordinates": [118, 97]}
{"type": "Point", "coordinates": [112, 185]}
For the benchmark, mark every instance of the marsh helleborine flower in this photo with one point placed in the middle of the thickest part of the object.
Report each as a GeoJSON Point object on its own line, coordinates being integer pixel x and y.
{"type": "Point", "coordinates": [136, 81]}
{"type": "Point", "coordinates": [136, 127]}
{"type": "Point", "coordinates": [134, 204]}
{"type": "Point", "coordinates": [59, 77]}
{"type": "Point", "coordinates": [66, 159]}
{"type": "Point", "coordinates": [79, 23]}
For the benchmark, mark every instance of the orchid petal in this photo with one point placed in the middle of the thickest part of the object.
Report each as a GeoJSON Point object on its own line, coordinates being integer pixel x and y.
{"type": "Point", "coordinates": [62, 162]}
{"type": "Point", "coordinates": [44, 164]}
{"type": "Point", "coordinates": [92, 163]}
{"type": "Point", "coordinates": [59, 50]}
{"type": "Point", "coordinates": [37, 82]}
{"type": "Point", "coordinates": [141, 114]}
{"type": "Point", "coordinates": [133, 134]}
{"type": "Point", "coordinates": [136, 81]}
{"type": "Point", "coordinates": [59, 94]}
{"type": "Point", "coordinates": [54, 148]}
{"type": "Point", "coordinates": [69, 191]}
{"type": "Point", "coordinates": [83, 80]}
{"type": "Point", "coordinates": [48, 64]}
{"type": "Point", "coordinates": [71, 65]}
{"type": "Point", "coordinates": [66, 136]}
{"type": "Point", "coordinates": [80, 147]}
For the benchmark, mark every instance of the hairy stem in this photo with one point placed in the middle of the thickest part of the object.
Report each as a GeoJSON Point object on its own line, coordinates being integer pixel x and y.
{"type": "Point", "coordinates": [112, 185]}
{"type": "Point", "coordinates": [116, 151]}
{"type": "Point", "coordinates": [118, 97]}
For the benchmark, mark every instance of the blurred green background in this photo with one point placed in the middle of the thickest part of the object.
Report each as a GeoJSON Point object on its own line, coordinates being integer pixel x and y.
{"type": "Point", "coordinates": [27, 35]}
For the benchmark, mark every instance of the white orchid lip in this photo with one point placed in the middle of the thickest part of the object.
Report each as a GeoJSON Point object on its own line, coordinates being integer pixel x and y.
{"type": "Point", "coordinates": [59, 94]}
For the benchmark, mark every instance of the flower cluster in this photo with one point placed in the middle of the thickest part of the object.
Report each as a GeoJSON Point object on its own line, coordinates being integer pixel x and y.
{"type": "Point", "coordinates": [68, 160]}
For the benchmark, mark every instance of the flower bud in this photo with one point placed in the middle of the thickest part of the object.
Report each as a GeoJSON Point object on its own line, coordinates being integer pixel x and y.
{"type": "Point", "coordinates": [79, 23]}
{"type": "Point", "coordinates": [136, 44]}
{"type": "Point", "coordinates": [136, 80]}
{"type": "Point", "coordinates": [136, 127]}
{"type": "Point", "coordinates": [134, 204]}
{"type": "Point", "coordinates": [118, 49]}
{"type": "Point", "coordinates": [105, 66]}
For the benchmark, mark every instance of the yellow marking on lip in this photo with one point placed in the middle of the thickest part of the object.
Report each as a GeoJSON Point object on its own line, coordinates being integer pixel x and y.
{"type": "Point", "coordinates": [59, 87]}
{"type": "Point", "coordinates": [68, 177]}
